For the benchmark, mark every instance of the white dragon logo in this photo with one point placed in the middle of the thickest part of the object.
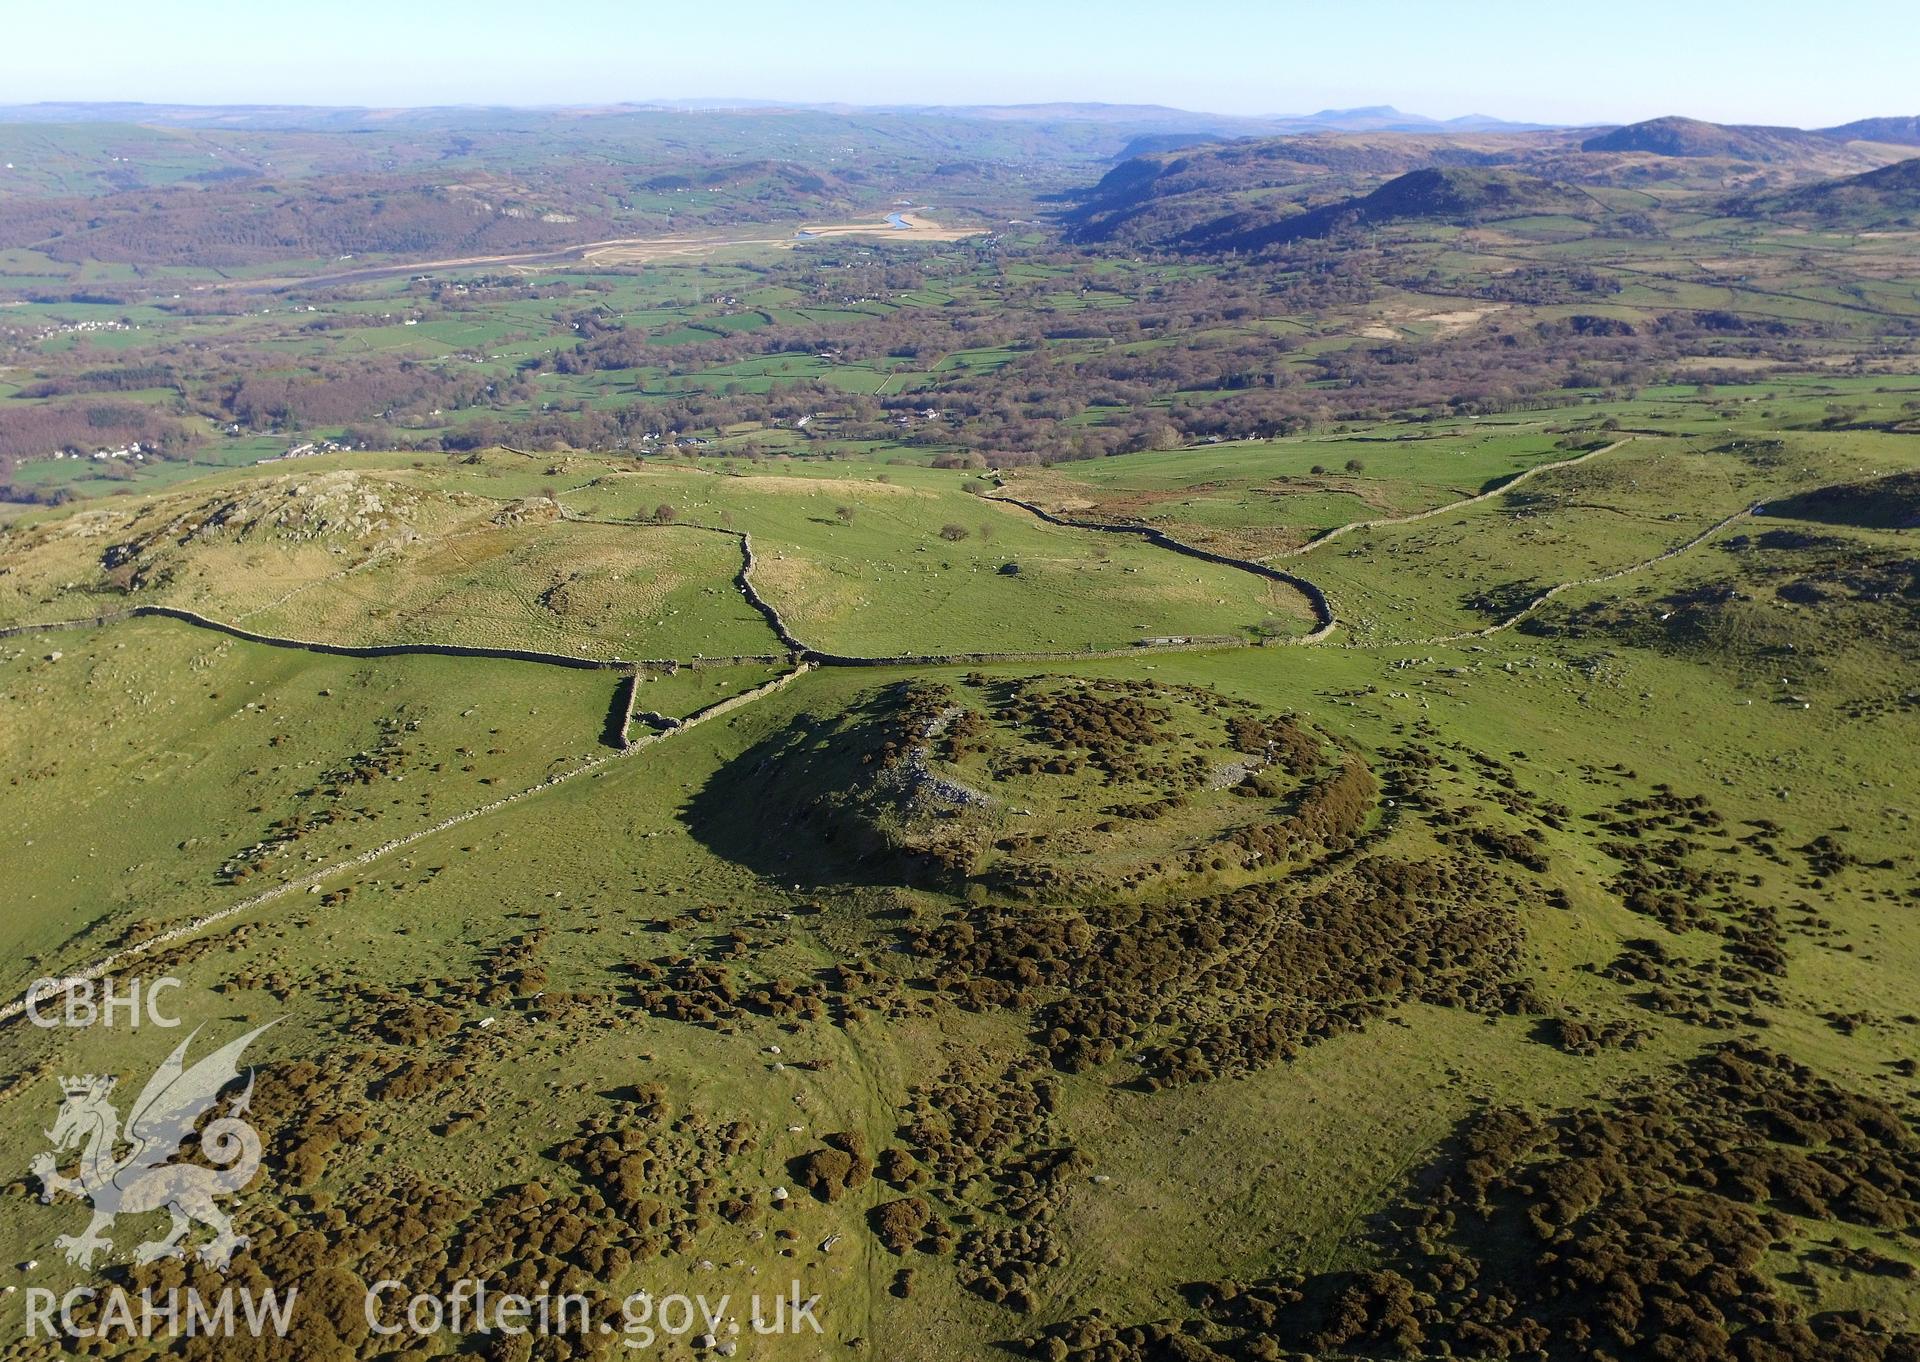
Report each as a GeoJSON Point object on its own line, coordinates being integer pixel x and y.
{"type": "Point", "coordinates": [141, 1179]}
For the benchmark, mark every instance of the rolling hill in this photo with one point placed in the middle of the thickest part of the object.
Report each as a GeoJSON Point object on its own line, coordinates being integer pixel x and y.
{"type": "Point", "coordinates": [1692, 137]}
{"type": "Point", "coordinates": [1896, 131]}
{"type": "Point", "coordinates": [1695, 139]}
{"type": "Point", "coordinates": [1435, 194]}
{"type": "Point", "coordinates": [1200, 221]}
{"type": "Point", "coordinates": [1887, 197]}
{"type": "Point", "coordinates": [1163, 196]}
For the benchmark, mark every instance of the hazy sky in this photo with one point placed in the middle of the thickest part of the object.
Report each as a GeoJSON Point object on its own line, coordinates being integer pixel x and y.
{"type": "Point", "coordinates": [1778, 61]}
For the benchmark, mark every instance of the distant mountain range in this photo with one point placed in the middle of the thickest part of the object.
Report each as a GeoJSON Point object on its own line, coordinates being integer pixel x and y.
{"type": "Point", "coordinates": [1678, 136]}
{"type": "Point", "coordinates": [1376, 118]}
{"type": "Point", "coordinates": [1386, 118]}
{"type": "Point", "coordinates": [1145, 118]}
{"type": "Point", "coordinates": [1248, 193]}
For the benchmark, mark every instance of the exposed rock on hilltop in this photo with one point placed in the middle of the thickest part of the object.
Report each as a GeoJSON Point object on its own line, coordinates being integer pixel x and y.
{"type": "Point", "coordinates": [1048, 789]}
{"type": "Point", "coordinates": [341, 506]}
{"type": "Point", "coordinates": [341, 511]}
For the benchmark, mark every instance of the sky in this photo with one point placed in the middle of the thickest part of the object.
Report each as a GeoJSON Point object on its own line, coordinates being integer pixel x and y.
{"type": "Point", "coordinates": [1753, 61]}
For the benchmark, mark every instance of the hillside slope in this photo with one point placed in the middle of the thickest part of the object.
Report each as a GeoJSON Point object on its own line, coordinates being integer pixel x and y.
{"type": "Point", "coordinates": [1895, 131]}
{"type": "Point", "coordinates": [1887, 197]}
{"type": "Point", "coordinates": [1692, 137]}
{"type": "Point", "coordinates": [1157, 198]}
{"type": "Point", "coordinates": [1455, 194]}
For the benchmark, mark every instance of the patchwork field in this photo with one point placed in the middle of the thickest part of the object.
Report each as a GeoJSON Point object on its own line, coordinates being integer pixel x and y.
{"type": "Point", "coordinates": [1255, 499]}
{"type": "Point", "coordinates": [903, 560]}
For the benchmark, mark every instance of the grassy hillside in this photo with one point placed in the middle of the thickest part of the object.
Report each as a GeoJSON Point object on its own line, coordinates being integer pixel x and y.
{"type": "Point", "coordinates": [1897, 131]}
{"type": "Point", "coordinates": [1885, 198]}
{"type": "Point", "coordinates": [1077, 801]}
{"type": "Point", "coordinates": [1452, 195]}
{"type": "Point", "coordinates": [1168, 195]}
{"type": "Point", "coordinates": [1691, 137]}
{"type": "Point", "coordinates": [986, 997]}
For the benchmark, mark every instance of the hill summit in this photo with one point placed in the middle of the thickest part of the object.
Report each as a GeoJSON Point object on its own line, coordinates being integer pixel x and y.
{"type": "Point", "coordinates": [1693, 137]}
{"type": "Point", "coordinates": [1457, 194]}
